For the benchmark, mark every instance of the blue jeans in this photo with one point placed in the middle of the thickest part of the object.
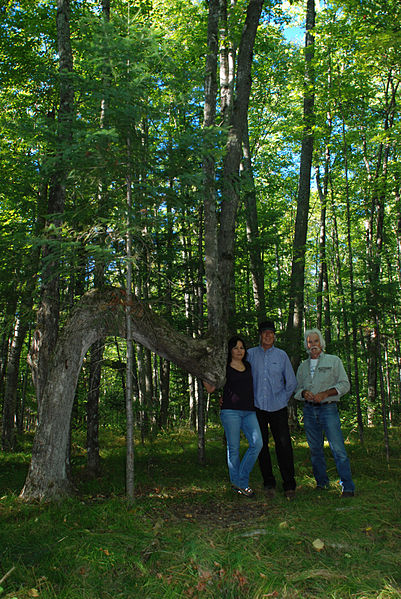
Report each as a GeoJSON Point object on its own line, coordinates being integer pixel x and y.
{"type": "Point", "coordinates": [233, 422]}
{"type": "Point", "coordinates": [320, 420]}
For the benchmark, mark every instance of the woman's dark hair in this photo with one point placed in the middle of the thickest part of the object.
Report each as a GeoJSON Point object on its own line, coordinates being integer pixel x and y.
{"type": "Point", "coordinates": [232, 343]}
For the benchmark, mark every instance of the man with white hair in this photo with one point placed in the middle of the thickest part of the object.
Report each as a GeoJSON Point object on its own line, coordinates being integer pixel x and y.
{"type": "Point", "coordinates": [322, 380]}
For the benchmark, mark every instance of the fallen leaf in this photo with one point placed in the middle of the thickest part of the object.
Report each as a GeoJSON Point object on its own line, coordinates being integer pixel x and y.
{"type": "Point", "coordinates": [318, 544]}
{"type": "Point", "coordinates": [157, 526]}
{"type": "Point", "coordinates": [242, 580]}
{"type": "Point", "coordinates": [283, 525]}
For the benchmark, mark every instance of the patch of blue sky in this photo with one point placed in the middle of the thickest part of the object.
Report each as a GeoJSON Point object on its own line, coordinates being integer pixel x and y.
{"type": "Point", "coordinates": [294, 31]}
{"type": "Point", "coordinates": [295, 34]}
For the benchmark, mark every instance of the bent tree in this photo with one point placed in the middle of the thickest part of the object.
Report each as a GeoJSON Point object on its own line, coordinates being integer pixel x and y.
{"type": "Point", "coordinates": [101, 313]}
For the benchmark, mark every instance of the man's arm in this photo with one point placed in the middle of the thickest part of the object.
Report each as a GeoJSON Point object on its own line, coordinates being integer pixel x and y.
{"type": "Point", "coordinates": [342, 384]}
{"type": "Point", "coordinates": [290, 378]}
{"type": "Point", "coordinates": [299, 394]}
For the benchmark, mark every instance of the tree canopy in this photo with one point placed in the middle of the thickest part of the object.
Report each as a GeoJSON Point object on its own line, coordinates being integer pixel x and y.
{"type": "Point", "coordinates": [197, 111]}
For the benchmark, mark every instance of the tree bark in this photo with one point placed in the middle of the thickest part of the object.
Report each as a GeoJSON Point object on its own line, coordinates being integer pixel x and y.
{"type": "Point", "coordinates": [352, 286]}
{"type": "Point", "coordinates": [209, 171]}
{"type": "Point", "coordinates": [92, 409]}
{"type": "Point", "coordinates": [323, 299]}
{"type": "Point", "coordinates": [220, 240]}
{"type": "Point", "coordinates": [96, 351]}
{"type": "Point", "coordinates": [164, 375]}
{"type": "Point", "coordinates": [296, 305]}
{"type": "Point", "coordinates": [129, 467]}
{"type": "Point", "coordinates": [233, 154]}
{"type": "Point", "coordinates": [252, 229]}
{"type": "Point", "coordinates": [8, 437]}
{"type": "Point", "coordinates": [45, 336]}
{"type": "Point", "coordinates": [97, 315]}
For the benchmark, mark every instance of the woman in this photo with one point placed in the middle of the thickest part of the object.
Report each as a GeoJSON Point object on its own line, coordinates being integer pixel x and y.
{"type": "Point", "coordinates": [238, 413]}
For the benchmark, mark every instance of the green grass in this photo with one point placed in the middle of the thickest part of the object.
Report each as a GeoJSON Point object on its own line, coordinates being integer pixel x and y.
{"type": "Point", "coordinates": [186, 535]}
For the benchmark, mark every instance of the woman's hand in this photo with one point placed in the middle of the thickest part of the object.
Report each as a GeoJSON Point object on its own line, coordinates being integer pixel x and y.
{"type": "Point", "coordinates": [209, 388]}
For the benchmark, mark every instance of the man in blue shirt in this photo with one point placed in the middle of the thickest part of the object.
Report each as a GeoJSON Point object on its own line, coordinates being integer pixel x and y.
{"type": "Point", "coordinates": [273, 382]}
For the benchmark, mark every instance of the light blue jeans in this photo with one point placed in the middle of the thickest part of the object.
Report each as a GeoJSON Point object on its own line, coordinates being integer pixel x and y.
{"type": "Point", "coordinates": [235, 421]}
{"type": "Point", "coordinates": [320, 420]}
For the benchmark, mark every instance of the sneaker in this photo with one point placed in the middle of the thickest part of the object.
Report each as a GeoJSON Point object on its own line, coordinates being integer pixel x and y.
{"type": "Point", "coordinates": [247, 492]}
{"type": "Point", "coordinates": [347, 494]}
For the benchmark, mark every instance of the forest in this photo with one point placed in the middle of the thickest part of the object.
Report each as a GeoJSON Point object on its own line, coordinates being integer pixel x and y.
{"type": "Point", "coordinates": [175, 172]}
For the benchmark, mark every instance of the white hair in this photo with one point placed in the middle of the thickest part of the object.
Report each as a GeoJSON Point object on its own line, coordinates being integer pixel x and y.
{"type": "Point", "coordinates": [314, 332]}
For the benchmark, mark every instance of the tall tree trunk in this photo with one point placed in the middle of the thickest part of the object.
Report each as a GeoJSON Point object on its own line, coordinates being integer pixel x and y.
{"type": "Point", "coordinates": [219, 240]}
{"type": "Point", "coordinates": [92, 409]}
{"type": "Point", "coordinates": [354, 324]}
{"type": "Point", "coordinates": [252, 229]}
{"type": "Point", "coordinates": [233, 153]}
{"type": "Point", "coordinates": [227, 68]}
{"type": "Point", "coordinates": [296, 304]}
{"type": "Point", "coordinates": [96, 351]}
{"type": "Point", "coordinates": [129, 470]}
{"type": "Point", "coordinates": [164, 374]}
{"type": "Point", "coordinates": [220, 236]}
{"type": "Point", "coordinates": [209, 170]}
{"type": "Point", "coordinates": [8, 437]}
{"type": "Point", "coordinates": [323, 297]}
{"type": "Point", "coordinates": [45, 336]}
{"type": "Point", "coordinates": [341, 294]}
{"type": "Point", "coordinates": [8, 325]}
{"type": "Point", "coordinates": [201, 422]}
{"type": "Point", "coordinates": [398, 205]}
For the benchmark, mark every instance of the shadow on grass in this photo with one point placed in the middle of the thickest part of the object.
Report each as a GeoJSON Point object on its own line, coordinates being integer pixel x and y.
{"type": "Point", "coordinates": [188, 535]}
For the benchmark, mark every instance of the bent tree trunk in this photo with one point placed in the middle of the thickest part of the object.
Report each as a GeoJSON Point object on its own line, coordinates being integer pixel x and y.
{"type": "Point", "coordinates": [101, 314]}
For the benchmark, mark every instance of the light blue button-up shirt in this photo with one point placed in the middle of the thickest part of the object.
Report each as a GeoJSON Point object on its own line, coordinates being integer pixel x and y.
{"type": "Point", "coordinates": [273, 377]}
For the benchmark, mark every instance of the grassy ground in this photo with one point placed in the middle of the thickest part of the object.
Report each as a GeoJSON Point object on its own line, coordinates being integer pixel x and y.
{"type": "Point", "coordinates": [187, 535]}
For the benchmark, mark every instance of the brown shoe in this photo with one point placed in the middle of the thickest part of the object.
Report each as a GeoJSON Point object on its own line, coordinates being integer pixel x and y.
{"type": "Point", "coordinates": [347, 494]}
{"type": "Point", "coordinates": [270, 491]}
{"type": "Point", "coordinates": [290, 494]}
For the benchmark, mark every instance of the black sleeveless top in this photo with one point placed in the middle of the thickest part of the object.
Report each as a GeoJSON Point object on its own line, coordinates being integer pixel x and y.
{"type": "Point", "coordinates": [238, 389]}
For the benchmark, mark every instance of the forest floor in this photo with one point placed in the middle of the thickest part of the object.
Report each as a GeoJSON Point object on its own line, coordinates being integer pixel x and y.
{"type": "Point", "coordinates": [187, 534]}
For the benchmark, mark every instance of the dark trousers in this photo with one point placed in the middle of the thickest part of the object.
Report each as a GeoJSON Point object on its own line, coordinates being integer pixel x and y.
{"type": "Point", "coordinates": [278, 422]}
